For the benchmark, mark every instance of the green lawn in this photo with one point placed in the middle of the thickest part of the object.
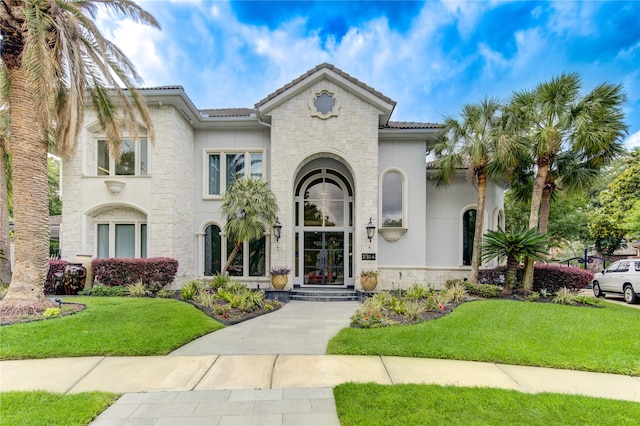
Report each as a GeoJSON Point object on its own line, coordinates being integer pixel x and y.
{"type": "Point", "coordinates": [41, 408]}
{"type": "Point", "coordinates": [509, 332]}
{"type": "Point", "coordinates": [372, 404]}
{"type": "Point", "coordinates": [113, 326]}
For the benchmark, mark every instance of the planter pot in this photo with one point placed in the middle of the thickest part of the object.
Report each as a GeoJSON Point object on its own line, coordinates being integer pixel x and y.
{"type": "Point", "coordinates": [368, 283]}
{"type": "Point", "coordinates": [85, 260]}
{"type": "Point", "coordinates": [279, 282]}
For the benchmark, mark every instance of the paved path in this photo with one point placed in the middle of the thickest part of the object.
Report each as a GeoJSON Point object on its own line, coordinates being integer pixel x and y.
{"type": "Point", "coordinates": [300, 328]}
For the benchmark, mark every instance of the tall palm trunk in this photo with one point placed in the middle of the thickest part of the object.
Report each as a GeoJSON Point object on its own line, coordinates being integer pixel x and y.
{"type": "Point", "coordinates": [31, 213]}
{"type": "Point", "coordinates": [476, 254]}
{"type": "Point", "coordinates": [545, 208]}
{"type": "Point", "coordinates": [536, 200]}
{"type": "Point", "coordinates": [234, 253]}
{"type": "Point", "coordinates": [5, 243]}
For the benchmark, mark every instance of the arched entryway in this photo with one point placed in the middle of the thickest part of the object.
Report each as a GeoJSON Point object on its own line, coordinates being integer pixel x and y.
{"type": "Point", "coordinates": [324, 212]}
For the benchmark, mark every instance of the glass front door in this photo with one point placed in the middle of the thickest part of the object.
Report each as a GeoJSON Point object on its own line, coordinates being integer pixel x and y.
{"type": "Point", "coordinates": [323, 258]}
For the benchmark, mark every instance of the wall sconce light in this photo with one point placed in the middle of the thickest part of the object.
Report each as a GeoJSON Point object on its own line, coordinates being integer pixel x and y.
{"type": "Point", "coordinates": [371, 229]}
{"type": "Point", "coordinates": [277, 228]}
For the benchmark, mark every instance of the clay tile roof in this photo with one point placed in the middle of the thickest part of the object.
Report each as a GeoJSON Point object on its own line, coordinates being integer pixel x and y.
{"type": "Point", "coordinates": [174, 87]}
{"type": "Point", "coordinates": [334, 69]}
{"type": "Point", "coordinates": [411, 125]}
{"type": "Point", "coordinates": [228, 112]}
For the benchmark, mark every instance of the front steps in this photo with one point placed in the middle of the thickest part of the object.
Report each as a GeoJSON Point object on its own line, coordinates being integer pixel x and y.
{"type": "Point", "coordinates": [323, 294]}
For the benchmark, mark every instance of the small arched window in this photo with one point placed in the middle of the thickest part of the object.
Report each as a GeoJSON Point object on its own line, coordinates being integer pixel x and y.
{"type": "Point", "coordinates": [393, 200]}
{"type": "Point", "coordinates": [468, 230]}
{"type": "Point", "coordinates": [212, 250]}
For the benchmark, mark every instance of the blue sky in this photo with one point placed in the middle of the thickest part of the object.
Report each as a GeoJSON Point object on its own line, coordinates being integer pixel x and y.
{"type": "Point", "coordinates": [430, 57]}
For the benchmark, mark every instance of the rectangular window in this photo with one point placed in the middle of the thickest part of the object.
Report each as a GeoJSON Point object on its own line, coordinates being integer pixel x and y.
{"type": "Point", "coordinates": [103, 241]}
{"type": "Point", "coordinates": [125, 241]}
{"type": "Point", "coordinates": [143, 240]}
{"type": "Point", "coordinates": [133, 159]}
{"type": "Point", "coordinates": [235, 168]}
{"type": "Point", "coordinates": [224, 168]}
{"type": "Point", "coordinates": [121, 240]}
{"type": "Point", "coordinates": [256, 166]}
{"type": "Point", "coordinates": [214, 174]}
{"type": "Point", "coordinates": [103, 159]}
{"type": "Point", "coordinates": [257, 258]}
{"type": "Point", "coordinates": [236, 267]}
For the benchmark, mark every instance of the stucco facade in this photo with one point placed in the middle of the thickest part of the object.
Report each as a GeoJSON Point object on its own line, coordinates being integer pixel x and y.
{"type": "Point", "coordinates": [327, 148]}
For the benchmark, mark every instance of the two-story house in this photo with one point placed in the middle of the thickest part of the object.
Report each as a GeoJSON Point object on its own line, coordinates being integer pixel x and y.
{"type": "Point", "coordinates": [335, 161]}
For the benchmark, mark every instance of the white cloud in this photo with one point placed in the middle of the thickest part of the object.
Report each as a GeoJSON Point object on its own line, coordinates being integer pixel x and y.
{"type": "Point", "coordinates": [633, 141]}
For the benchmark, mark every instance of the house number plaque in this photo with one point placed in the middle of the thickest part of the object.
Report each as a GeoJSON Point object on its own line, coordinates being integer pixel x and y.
{"type": "Point", "coordinates": [368, 256]}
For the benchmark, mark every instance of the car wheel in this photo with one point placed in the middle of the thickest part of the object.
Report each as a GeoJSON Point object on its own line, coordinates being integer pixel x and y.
{"type": "Point", "coordinates": [629, 294]}
{"type": "Point", "coordinates": [597, 292]}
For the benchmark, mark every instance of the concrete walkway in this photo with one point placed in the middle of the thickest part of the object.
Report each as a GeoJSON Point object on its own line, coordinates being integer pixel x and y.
{"type": "Point", "coordinates": [301, 328]}
{"type": "Point", "coordinates": [247, 387]}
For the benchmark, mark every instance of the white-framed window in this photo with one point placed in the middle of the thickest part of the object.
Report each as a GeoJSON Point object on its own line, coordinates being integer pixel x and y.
{"type": "Point", "coordinates": [393, 203]}
{"type": "Point", "coordinates": [222, 168]}
{"type": "Point", "coordinates": [250, 261]}
{"type": "Point", "coordinates": [133, 158]}
{"type": "Point", "coordinates": [121, 240]}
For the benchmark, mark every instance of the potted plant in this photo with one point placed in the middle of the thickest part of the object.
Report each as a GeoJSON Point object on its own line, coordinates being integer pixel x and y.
{"type": "Point", "coordinates": [279, 277]}
{"type": "Point", "coordinates": [369, 280]}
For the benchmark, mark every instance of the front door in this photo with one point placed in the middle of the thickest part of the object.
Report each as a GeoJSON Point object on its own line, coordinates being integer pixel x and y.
{"type": "Point", "coordinates": [323, 258]}
{"type": "Point", "coordinates": [323, 229]}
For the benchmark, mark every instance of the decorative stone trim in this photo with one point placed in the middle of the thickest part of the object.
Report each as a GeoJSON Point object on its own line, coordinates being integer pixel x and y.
{"type": "Point", "coordinates": [324, 105]}
{"type": "Point", "coordinates": [115, 186]}
{"type": "Point", "coordinates": [392, 234]}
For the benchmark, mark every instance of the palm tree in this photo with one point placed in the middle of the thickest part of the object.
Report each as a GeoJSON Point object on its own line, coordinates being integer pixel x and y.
{"type": "Point", "coordinates": [514, 246]}
{"type": "Point", "coordinates": [477, 143]}
{"type": "Point", "coordinates": [250, 208]}
{"type": "Point", "coordinates": [554, 119]}
{"type": "Point", "coordinates": [54, 59]}
{"type": "Point", "coordinates": [5, 243]}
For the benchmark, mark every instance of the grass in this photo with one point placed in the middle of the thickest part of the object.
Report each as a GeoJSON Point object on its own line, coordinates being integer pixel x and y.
{"type": "Point", "coordinates": [41, 408]}
{"type": "Point", "coordinates": [509, 332]}
{"type": "Point", "coordinates": [109, 326]}
{"type": "Point", "coordinates": [372, 404]}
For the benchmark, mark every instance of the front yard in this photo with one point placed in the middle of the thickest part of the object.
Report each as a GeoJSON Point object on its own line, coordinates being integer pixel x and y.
{"type": "Point", "coordinates": [110, 326]}
{"type": "Point", "coordinates": [510, 332]}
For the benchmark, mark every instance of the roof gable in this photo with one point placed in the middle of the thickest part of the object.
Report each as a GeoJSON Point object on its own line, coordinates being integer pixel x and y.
{"type": "Point", "coordinates": [326, 71]}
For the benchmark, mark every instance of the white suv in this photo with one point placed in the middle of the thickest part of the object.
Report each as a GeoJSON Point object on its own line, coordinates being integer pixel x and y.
{"type": "Point", "coordinates": [621, 277]}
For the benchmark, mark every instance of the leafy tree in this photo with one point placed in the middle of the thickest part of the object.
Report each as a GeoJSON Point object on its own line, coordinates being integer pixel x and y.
{"type": "Point", "coordinates": [514, 246]}
{"type": "Point", "coordinates": [475, 142]}
{"type": "Point", "coordinates": [616, 215]}
{"type": "Point", "coordinates": [556, 121]}
{"type": "Point", "coordinates": [250, 208]}
{"type": "Point", "coordinates": [53, 172]}
{"type": "Point", "coordinates": [568, 217]}
{"type": "Point", "coordinates": [54, 60]}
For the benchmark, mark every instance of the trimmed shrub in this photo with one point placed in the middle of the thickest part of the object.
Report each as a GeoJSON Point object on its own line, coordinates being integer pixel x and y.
{"type": "Point", "coordinates": [154, 272]}
{"type": "Point", "coordinates": [482, 290]}
{"type": "Point", "coordinates": [54, 266]}
{"type": "Point", "coordinates": [105, 291]}
{"type": "Point", "coordinates": [549, 277]}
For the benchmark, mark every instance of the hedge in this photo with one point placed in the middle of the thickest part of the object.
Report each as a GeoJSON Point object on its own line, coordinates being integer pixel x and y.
{"type": "Point", "coordinates": [155, 272]}
{"type": "Point", "coordinates": [549, 277]}
{"type": "Point", "coordinates": [54, 266]}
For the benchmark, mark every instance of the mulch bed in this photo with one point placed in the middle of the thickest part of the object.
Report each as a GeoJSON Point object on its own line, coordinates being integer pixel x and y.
{"type": "Point", "coordinates": [66, 309]}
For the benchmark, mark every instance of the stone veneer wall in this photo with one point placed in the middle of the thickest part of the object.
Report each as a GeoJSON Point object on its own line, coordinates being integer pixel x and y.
{"type": "Point", "coordinates": [351, 137]}
{"type": "Point", "coordinates": [390, 278]}
{"type": "Point", "coordinates": [170, 227]}
{"type": "Point", "coordinates": [167, 194]}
